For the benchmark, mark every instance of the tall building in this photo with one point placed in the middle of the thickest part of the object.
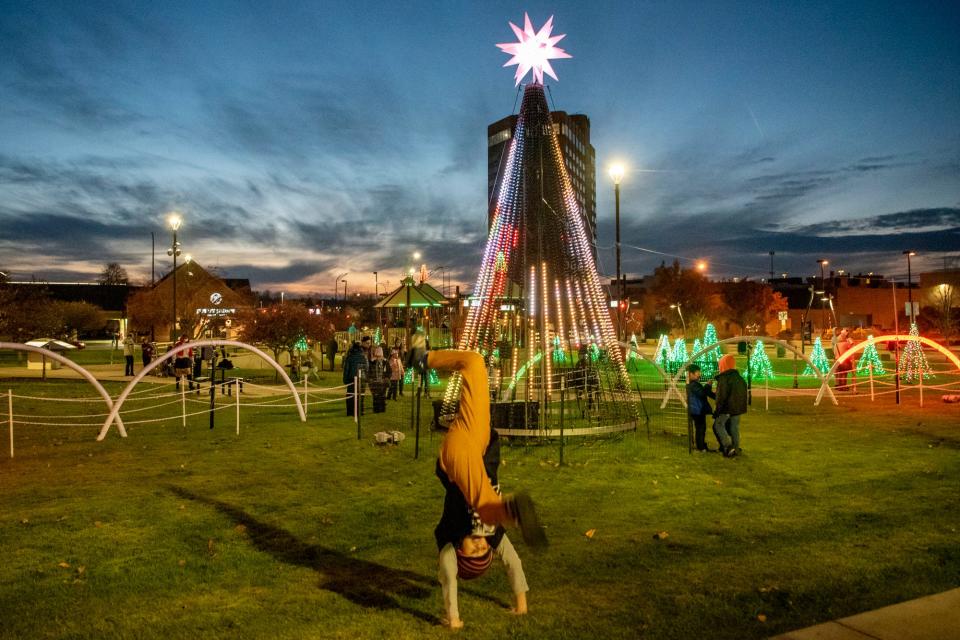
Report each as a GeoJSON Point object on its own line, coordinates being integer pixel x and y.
{"type": "Point", "coordinates": [573, 132]}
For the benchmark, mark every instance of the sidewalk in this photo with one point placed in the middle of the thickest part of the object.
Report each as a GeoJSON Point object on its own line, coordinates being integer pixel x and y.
{"type": "Point", "coordinates": [935, 617]}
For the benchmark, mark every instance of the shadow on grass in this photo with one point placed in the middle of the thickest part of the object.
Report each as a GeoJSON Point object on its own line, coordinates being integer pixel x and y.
{"type": "Point", "coordinates": [367, 584]}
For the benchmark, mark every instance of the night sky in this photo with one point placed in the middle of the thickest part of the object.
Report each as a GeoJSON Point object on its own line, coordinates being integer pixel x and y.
{"type": "Point", "coordinates": [305, 139]}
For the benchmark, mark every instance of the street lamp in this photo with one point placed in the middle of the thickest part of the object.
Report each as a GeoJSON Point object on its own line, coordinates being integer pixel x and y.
{"type": "Point", "coordinates": [682, 323]}
{"type": "Point", "coordinates": [913, 315]}
{"type": "Point", "coordinates": [823, 285]}
{"type": "Point", "coordinates": [174, 220]}
{"type": "Point", "coordinates": [336, 285]}
{"type": "Point", "coordinates": [344, 292]}
{"type": "Point", "coordinates": [616, 172]}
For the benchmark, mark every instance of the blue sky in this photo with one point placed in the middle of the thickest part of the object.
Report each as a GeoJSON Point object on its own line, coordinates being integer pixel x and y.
{"type": "Point", "coordinates": [305, 139]}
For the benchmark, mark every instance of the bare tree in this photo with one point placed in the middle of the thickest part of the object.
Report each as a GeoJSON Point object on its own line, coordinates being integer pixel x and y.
{"type": "Point", "coordinates": [113, 273]}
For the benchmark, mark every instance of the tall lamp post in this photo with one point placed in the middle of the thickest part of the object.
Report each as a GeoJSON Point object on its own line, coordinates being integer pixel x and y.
{"type": "Point", "coordinates": [682, 323]}
{"type": "Point", "coordinates": [344, 293]}
{"type": "Point", "coordinates": [823, 286]}
{"type": "Point", "coordinates": [616, 172]}
{"type": "Point", "coordinates": [174, 221]}
{"type": "Point", "coordinates": [913, 314]}
{"type": "Point", "coordinates": [336, 286]}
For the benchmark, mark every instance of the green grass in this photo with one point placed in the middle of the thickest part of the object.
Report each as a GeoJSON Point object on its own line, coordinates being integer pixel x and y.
{"type": "Point", "coordinates": [297, 530]}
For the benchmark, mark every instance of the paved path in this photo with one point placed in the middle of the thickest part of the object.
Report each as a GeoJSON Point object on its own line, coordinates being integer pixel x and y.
{"type": "Point", "coordinates": [935, 617]}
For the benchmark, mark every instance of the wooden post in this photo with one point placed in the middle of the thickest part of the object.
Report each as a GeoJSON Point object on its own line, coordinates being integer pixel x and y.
{"type": "Point", "coordinates": [10, 413]}
{"type": "Point", "coordinates": [921, 386]}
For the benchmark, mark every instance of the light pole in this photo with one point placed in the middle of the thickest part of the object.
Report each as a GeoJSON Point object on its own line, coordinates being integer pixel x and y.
{"type": "Point", "coordinates": [682, 323]}
{"type": "Point", "coordinates": [616, 172]}
{"type": "Point", "coordinates": [174, 221]}
{"type": "Point", "coordinates": [913, 314]}
{"type": "Point", "coordinates": [344, 293]}
{"type": "Point", "coordinates": [823, 286]}
{"type": "Point", "coordinates": [336, 286]}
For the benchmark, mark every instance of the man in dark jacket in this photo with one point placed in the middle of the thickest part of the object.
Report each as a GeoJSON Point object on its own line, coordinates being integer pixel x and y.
{"type": "Point", "coordinates": [698, 405]}
{"type": "Point", "coordinates": [354, 365]}
{"type": "Point", "coordinates": [731, 404]}
{"type": "Point", "coordinates": [332, 349]}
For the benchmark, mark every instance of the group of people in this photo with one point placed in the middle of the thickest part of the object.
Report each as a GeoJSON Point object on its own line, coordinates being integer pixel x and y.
{"type": "Point", "coordinates": [147, 352]}
{"type": "Point", "coordinates": [365, 362]}
{"type": "Point", "coordinates": [842, 342]}
{"type": "Point", "coordinates": [730, 397]}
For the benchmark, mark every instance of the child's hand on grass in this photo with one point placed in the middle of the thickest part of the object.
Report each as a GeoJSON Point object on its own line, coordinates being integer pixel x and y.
{"type": "Point", "coordinates": [520, 608]}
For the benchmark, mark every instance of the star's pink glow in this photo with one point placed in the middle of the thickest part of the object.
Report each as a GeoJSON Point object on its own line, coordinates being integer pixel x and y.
{"type": "Point", "coordinates": [534, 51]}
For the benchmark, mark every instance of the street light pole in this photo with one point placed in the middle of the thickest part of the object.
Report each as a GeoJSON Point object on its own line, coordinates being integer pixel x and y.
{"type": "Point", "coordinates": [823, 287]}
{"type": "Point", "coordinates": [913, 314]}
{"type": "Point", "coordinates": [344, 293]}
{"type": "Point", "coordinates": [336, 286]}
{"type": "Point", "coordinates": [616, 172]}
{"type": "Point", "coordinates": [682, 323]}
{"type": "Point", "coordinates": [174, 221]}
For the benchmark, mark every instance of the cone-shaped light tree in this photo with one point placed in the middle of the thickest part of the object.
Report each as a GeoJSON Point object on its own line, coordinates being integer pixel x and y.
{"type": "Point", "coordinates": [819, 358]}
{"type": "Point", "coordinates": [538, 280]}
{"type": "Point", "coordinates": [869, 358]}
{"type": "Point", "coordinates": [913, 363]}
{"type": "Point", "coordinates": [760, 366]}
{"type": "Point", "coordinates": [708, 364]}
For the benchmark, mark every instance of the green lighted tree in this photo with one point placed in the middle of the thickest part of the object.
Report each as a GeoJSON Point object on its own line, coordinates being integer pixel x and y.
{"type": "Point", "coordinates": [708, 364]}
{"type": "Point", "coordinates": [760, 366]}
{"type": "Point", "coordinates": [870, 357]}
{"type": "Point", "coordinates": [819, 358]}
{"type": "Point", "coordinates": [679, 355]}
{"type": "Point", "coordinates": [662, 357]}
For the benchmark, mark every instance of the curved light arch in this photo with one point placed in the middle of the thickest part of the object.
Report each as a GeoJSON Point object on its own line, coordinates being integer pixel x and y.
{"type": "Point", "coordinates": [766, 339]}
{"type": "Point", "coordinates": [16, 346]}
{"type": "Point", "coordinates": [899, 337]}
{"type": "Point", "coordinates": [115, 411]}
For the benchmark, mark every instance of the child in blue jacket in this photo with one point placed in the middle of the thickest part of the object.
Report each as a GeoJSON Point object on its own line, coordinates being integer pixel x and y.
{"type": "Point", "coordinates": [698, 404]}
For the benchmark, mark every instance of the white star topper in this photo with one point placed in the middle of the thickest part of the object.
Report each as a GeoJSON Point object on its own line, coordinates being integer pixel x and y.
{"type": "Point", "coordinates": [534, 50]}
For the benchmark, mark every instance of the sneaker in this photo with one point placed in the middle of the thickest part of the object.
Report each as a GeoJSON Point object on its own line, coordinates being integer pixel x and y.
{"type": "Point", "coordinates": [521, 507]}
{"type": "Point", "coordinates": [731, 452]}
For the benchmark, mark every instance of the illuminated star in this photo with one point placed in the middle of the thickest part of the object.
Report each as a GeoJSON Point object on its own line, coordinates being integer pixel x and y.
{"type": "Point", "coordinates": [534, 51]}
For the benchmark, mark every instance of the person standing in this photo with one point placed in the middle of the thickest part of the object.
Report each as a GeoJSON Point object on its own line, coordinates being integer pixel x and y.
{"type": "Point", "coordinates": [354, 366]}
{"type": "Point", "coordinates": [698, 405]}
{"type": "Point", "coordinates": [128, 346]}
{"type": "Point", "coordinates": [379, 377]}
{"type": "Point", "coordinates": [731, 404]}
{"type": "Point", "coordinates": [183, 360]}
{"type": "Point", "coordinates": [844, 343]}
{"type": "Point", "coordinates": [146, 351]}
{"type": "Point", "coordinates": [332, 349]}
{"type": "Point", "coordinates": [396, 374]}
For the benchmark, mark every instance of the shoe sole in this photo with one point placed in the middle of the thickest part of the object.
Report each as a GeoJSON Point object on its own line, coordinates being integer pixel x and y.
{"type": "Point", "coordinates": [534, 535]}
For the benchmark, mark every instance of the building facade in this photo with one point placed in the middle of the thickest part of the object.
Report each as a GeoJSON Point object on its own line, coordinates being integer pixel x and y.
{"type": "Point", "coordinates": [573, 132]}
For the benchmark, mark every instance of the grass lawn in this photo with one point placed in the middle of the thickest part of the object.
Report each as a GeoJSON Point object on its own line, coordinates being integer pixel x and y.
{"type": "Point", "coordinates": [294, 530]}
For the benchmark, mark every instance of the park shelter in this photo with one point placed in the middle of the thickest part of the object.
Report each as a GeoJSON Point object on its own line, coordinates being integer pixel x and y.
{"type": "Point", "coordinates": [420, 305]}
